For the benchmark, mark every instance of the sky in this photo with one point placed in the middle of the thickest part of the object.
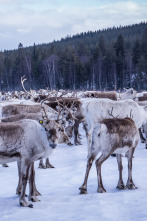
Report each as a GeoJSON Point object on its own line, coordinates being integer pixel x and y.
{"type": "Point", "coordinates": [43, 21]}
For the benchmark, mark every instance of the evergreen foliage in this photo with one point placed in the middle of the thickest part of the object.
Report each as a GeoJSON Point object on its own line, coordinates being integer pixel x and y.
{"type": "Point", "coordinates": [108, 59]}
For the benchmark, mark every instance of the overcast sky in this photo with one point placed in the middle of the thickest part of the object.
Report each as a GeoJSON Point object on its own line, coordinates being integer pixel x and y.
{"type": "Point", "coordinates": [42, 21]}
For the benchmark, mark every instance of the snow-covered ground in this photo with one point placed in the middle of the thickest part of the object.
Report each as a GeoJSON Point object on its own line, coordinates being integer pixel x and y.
{"type": "Point", "coordinates": [61, 201]}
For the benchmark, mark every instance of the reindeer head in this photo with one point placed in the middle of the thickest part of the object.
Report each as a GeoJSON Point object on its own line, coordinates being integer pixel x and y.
{"type": "Point", "coordinates": [53, 130]}
{"type": "Point", "coordinates": [67, 118]}
{"type": "Point", "coordinates": [66, 115]}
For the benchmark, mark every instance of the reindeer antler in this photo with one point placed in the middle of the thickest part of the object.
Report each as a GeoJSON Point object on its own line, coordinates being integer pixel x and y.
{"type": "Point", "coordinates": [67, 110]}
{"type": "Point", "coordinates": [44, 111]}
{"type": "Point", "coordinates": [60, 109]}
{"type": "Point", "coordinates": [112, 114]}
{"type": "Point", "coordinates": [23, 79]}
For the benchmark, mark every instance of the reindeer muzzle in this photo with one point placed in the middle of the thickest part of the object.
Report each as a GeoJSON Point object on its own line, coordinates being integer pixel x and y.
{"type": "Point", "coordinates": [53, 145]}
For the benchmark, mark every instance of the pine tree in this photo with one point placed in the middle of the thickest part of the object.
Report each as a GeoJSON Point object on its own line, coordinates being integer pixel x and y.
{"type": "Point", "coordinates": [136, 52]}
{"type": "Point", "coordinates": [144, 43]}
{"type": "Point", "coordinates": [120, 53]}
{"type": "Point", "coordinates": [102, 45]}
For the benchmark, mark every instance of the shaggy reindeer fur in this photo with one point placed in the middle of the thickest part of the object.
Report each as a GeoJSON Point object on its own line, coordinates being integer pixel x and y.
{"type": "Point", "coordinates": [27, 141]}
{"type": "Point", "coordinates": [112, 136]}
{"type": "Point", "coordinates": [62, 136]}
{"type": "Point", "coordinates": [14, 109]}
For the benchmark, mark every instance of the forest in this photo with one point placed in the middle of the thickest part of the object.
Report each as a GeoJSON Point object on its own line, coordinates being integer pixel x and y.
{"type": "Point", "coordinates": [108, 59]}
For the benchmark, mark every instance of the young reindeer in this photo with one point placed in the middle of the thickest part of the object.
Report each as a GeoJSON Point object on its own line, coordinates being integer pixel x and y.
{"type": "Point", "coordinates": [26, 141]}
{"type": "Point", "coordinates": [112, 136]}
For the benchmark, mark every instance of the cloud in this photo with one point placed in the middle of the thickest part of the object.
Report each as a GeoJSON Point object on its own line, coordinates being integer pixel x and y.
{"type": "Point", "coordinates": [29, 22]}
{"type": "Point", "coordinates": [23, 30]}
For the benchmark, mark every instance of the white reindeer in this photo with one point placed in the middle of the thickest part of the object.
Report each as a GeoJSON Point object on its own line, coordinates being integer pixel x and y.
{"type": "Point", "coordinates": [26, 141]}
{"type": "Point", "coordinates": [128, 94]}
{"type": "Point", "coordinates": [112, 136]}
{"type": "Point", "coordinates": [95, 110]}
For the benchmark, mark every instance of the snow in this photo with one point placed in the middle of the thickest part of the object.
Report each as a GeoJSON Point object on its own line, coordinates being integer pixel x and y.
{"type": "Point", "coordinates": [61, 201]}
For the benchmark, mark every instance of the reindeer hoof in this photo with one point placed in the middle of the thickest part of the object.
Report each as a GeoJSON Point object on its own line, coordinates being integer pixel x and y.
{"type": "Point", "coordinates": [131, 186]}
{"type": "Point", "coordinates": [49, 166]}
{"type": "Point", "coordinates": [121, 187]}
{"type": "Point", "coordinates": [70, 144]}
{"type": "Point", "coordinates": [30, 206]}
{"type": "Point", "coordinates": [21, 204]}
{"type": "Point", "coordinates": [101, 190]}
{"type": "Point", "coordinates": [78, 143]}
{"type": "Point", "coordinates": [42, 166]}
{"type": "Point", "coordinates": [83, 190]}
{"type": "Point", "coordinates": [34, 199]}
{"type": "Point", "coordinates": [26, 205]}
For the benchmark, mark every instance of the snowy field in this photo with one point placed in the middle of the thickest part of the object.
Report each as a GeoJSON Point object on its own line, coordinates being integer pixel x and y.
{"type": "Point", "coordinates": [61, 201]}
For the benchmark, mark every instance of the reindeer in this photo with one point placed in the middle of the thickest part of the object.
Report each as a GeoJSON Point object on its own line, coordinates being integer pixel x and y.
{"type": "Point", "coordinates": [91, 111]}
{"type": "Point", "coordinates": [112, 136]}
{"type": "Point", "coordinates": [100, 94]}
{"type": "Point", "coordinates": [62, 136]}
{"type": "Point", "coordinates": [54, 126]}
{"type": "Point", "coordinates": [95, 110]}
{"type": "Point", "coordinates": [71, 106]}
{"type": "Point", "coordinates": [56, 103]}
{"type": "Point", "coordinates": [26, 141]}
{"type": "Point", "coordinates": [128, 94]}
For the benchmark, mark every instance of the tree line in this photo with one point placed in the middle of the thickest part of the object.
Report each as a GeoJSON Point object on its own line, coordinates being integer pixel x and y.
{"type": "Point", "coordinates": [108, 59]}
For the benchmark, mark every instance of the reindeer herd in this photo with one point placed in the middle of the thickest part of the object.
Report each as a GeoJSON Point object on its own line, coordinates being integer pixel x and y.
{"type": "Point", "coordinates": [33, 123]}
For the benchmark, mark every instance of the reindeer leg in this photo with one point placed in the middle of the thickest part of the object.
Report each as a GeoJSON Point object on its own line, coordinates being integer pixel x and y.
{"type": "Point", "coordinates": [141, 136]}
{"type": "Point", "coordinates": [18, 189]}
{"type": "Point", "coordinates": [34, 185]}
{"type": "Point", "coordinates": [32, 193]}
{"type": "Point", "coordinates": [98, 163]}
{"type": "Point", "coordinates": [79, 135]}
{"type": "Point", "coordinates": [41, 165]}
{"type": "Point", "coordinates": [120, 184]}
{"type": "Point", "coordinates": [24, 174]}
{"type": "Point", "coordinates": [76, 127]}
{"type": "Point", "coordinates": [36, 191]}
{"type": "Point", "coordinates": [48, 165]}
{"type": "Point", "coordinates": [130, 183]}
{"type": "Point", "coordinates": [83, 188]}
